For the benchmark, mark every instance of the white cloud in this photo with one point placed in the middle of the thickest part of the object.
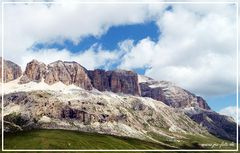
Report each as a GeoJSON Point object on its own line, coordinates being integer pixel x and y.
{"type": "Point", "coordinates": [231, 111]}
{"type": "Point", "coordinates": [139, 56]}
{"type": "Point", "coordinates": [196, 50]}
{"type": "Point", "coordinates": [91, 59]}
{"type": "Point", "coordinates": [28, 24]}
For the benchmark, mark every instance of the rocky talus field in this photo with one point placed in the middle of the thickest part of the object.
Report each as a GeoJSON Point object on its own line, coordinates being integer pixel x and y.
{"type": "Point", "coordinates": [62, 105]}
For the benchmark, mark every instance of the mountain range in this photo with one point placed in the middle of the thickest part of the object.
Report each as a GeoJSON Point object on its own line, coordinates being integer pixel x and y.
{"type": "Point", "coordinates": [65, 95]}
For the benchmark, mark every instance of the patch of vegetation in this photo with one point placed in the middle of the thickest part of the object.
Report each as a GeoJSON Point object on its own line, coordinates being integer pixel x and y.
{"type": "Point", "coordinates": [189, 141]}
{"type": "Point", "coordinates": [63, 139]}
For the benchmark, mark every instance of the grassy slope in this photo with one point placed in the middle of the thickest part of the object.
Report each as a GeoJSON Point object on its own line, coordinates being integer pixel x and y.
{"type": "Point", "coordinates": [62, 139]}
{"type": "Point", "coordinates": [193, 141]}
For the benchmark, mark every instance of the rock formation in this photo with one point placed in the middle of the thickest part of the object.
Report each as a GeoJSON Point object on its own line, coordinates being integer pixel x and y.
{"type": "Point", "coordinates": [35, 71]}
{"type": "Point", "coordinates": [118, 81]}
{"type": "Point", "coordinates": [171, 94]}
{"type": "Point", "coordinates": [65, 72]}
{"type": "Point", "coordinates": [68, 73]}
{"type": "Point", "coordinates": [219, 125]}
{"type": "Point", "coordinates": [202, 103]}
{"type": "Point", "coordinates": [100, 80]}
{"type": "Point", "coordinates": [11, 71]}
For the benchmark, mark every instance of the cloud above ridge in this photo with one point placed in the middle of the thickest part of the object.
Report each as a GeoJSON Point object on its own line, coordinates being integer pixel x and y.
{"type": "Point", "coordinates": [197, 49]}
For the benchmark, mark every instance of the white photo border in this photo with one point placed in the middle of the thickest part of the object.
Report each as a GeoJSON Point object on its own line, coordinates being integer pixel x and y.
{"type": "Point", "coordinates": [119, 2]}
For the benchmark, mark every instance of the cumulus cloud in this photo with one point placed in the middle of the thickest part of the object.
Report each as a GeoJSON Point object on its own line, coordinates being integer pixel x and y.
{"type": "Point", "coordinates": [196, 50]}
{"type": "Point", "coordinates": [31, 23]}
{"type": "Point", "coordinates": [91, 59]}
{"type": "Point", "coordinates": [231, 111]}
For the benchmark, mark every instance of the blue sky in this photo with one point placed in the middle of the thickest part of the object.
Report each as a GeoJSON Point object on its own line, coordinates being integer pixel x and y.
{"type": "Point", "coordinates": [109, 40]}
{"type": "Point", "coordinates": [219, 102]}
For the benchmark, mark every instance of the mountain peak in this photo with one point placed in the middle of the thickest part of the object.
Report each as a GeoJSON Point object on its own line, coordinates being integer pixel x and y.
{"type": "Point", "coordinates": [58, 62]}
{"type": "Point", "coordinates": [170, 94]}
{"type": "Point", "coordinates": [35, 61]}
{"type": "Point", "coordinates": [11, 71]}
{"type": "Point", "coordinates": [143, 78]}
{"type": "Point", "coordinates": [57, 71]}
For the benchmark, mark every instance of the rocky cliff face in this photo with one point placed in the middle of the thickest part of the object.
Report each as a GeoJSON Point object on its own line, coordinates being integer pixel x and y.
{"type": "Point", "coordinates": [202, 103]}
{"type": "Point", "coordinates": [170, 94]}
{"type": "Point", "coordinates": [68, 73]}
{"type": "Point", "coordinates": [65, 72]}
{"type": "Point", "coordinates": [100, 80]}
{"type": "Point", "coordinates": [219, 125]}
{"type": "Point", "coordinates": [119, 81]}
{"type": "Point", "coordinates": [35, 71]}
{"type": "Point", "coordinates": [11, 71]}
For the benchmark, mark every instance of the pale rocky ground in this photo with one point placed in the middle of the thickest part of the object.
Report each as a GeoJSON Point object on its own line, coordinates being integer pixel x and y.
{"type": "Point", "coordinates": [71, 107]}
